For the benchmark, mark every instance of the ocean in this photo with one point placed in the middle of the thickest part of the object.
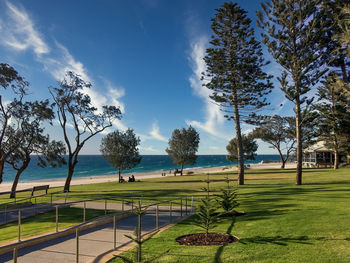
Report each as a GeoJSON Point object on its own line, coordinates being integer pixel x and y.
{"type": "Point", "coordinates": [96, 165]}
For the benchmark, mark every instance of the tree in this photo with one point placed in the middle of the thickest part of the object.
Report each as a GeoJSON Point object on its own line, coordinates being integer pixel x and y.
{"type": "Point", "coordinates": [249, 148]}
{"type": "Point", "coordinates": [34, 141]}
{"type": "Point", "coordinates": [121, 150]}
{"type": "Point", "coordinates": [77, 115]}
{"type": "Point", "coordinates": [206, 216]}
{"type": "Point", "coordinates": [234, 70]}
{"type": "Point", "coordinates": [277, 131]}
{"type": "Point", "coordinates": [293, 33]}
{"type": "Point", "coordinates": [227, 199]}
{"type": "Point", "coordinates": [333, 118]}
{"type": "Point", "coordinates": [16, 88]}
{"type": "Point", "coordinates": [183, 146]}
{"type": "Point", "coordinates": [336, 37]}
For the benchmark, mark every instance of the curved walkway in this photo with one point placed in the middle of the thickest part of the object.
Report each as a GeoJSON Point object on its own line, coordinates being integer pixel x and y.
{"type": "Point", "coordinates": [92, 242]}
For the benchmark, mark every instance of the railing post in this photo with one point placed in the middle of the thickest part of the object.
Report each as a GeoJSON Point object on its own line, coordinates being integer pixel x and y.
{"type": "Point", "coordinates": [139, 256]}
{"type": "Point", "coordinates": [105, 206]}
{"type": "Point", "coordinates": [65, 199]}
{"type": "Point", "coordinates": [181, 207]}
{"type": "Point", "coordinates": [192, 205]}
{"type": "Point", "coordinates": [84, 216]}
{"type": "Point", "coordinates": [51, 199]}
{"type": "Point", "coordinates": [15, 254]}
{"type": "Point", "coordinates": [171, 212]}
{"type": "Point", "coordinates": [19, 225]}
{"type": "Point", "coordinates": [186, 206]}
{"type": "Point", "coordinates": [157, 217]}
{"type": "Point", "coordinates": [5, 214]}
{"type": "Point", "coordinates": [123, 205]}
{"type": "Point", "coordinates": [132, 205]}
{"type": "Point", "coordinates": [56, 218]}
{"type": "Point", "coordinates": [77, 245]}
{"type": "Point", "coordinates": [114, 232]}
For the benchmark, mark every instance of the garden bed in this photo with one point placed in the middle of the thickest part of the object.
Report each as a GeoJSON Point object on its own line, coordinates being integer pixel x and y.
{"type": "Point", "coordinates": [203, 239]}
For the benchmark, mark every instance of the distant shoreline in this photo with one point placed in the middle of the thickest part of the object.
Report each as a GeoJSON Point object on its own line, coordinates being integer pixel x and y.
{"type": "Point", "coordinates": [59, 182]}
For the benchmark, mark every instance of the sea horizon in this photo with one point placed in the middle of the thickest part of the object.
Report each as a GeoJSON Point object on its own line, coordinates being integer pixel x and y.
{"type": "Point", "coordinates": [94, 165]}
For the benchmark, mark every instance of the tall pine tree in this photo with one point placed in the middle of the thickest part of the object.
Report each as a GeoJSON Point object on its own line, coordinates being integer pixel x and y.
{"type": "Point", "coordinates": [234, 70]}
{"type": "Point", "coordinates": [333, 118]}
{"type": "Point", "coordinates": [293, 32]}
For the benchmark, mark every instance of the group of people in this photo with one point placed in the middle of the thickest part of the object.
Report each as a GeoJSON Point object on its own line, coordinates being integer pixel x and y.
{"type": "Point", "coordinates": [131, 179]}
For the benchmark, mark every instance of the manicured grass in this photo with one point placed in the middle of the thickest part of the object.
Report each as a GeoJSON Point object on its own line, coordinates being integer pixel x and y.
{"type": "Point", "coordinates": [46, 222]}
{"type": "Point", "coordinates": [284, 222]}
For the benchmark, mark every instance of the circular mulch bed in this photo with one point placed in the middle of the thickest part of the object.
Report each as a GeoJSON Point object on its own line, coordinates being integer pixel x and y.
{"type": "Point", "coordinates": [231, 214]}
{"type": "Point", "coordinates": [210, 239]}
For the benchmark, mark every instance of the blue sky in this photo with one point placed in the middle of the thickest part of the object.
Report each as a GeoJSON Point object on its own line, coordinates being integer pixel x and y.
{"type": "Point", "coordinates": [144, 56]}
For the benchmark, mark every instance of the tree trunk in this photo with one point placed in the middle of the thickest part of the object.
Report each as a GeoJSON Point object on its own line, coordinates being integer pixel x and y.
{"type": "Point", "coordinates": [2, 164]}
{"type": "Point", "coordinates": [299, 138]}
{"type": "Point", "coordinates": [69, 177]}
{"type": "Point", "coordinates": [283, 161]}
{"type": "Point", "coordinates": [182, 167]}
{"type": "Point", "coordinates": [16, 180]}
{"type": "Point", "coordinates": [283, 165]}
{"type": "Point", "coordinates": [239, 141]}
{"type": "Point", "coordinates": [343, 70]}
{"type": "Point", "coordinates": [119, 175]}
{"type": "Point", "coordinates": [336, 159]}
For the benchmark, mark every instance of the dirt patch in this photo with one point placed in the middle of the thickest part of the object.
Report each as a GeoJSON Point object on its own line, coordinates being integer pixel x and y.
{"type": "Point", "coordinates": [230, 214]}
{"type": "Point", "coordinates": [210, 239]}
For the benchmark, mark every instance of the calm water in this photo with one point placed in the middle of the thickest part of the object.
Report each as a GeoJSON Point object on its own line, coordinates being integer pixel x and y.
{"type": "Point", "coordinates": [96, 165]}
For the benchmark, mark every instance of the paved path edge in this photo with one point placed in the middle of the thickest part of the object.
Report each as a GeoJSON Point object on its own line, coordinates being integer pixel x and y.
{"type": "Point", "coordinates": [88, 225]}
{"type": "Point", "coordinates": [110, 254]}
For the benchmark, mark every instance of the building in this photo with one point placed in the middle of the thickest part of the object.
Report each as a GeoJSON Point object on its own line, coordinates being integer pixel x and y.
{"type": "Point", "coordinates": [318, 155]}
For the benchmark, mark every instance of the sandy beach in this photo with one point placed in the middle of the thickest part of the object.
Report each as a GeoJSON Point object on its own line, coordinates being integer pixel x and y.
{"type": "Point", "coordinates": [5, 187]}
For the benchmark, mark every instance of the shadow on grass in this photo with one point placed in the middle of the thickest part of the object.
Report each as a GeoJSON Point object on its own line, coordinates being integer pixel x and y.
{"type": "Point", "coordinates": [219, 251]}
{"type": "Point", "coordinates": [283, 241]}
{"type": "Point", "coordinates": [277, 240]}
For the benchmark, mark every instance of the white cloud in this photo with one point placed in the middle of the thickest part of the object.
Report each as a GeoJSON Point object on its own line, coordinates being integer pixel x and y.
{"type": "Point", "coordinates": [21, 35]}
{"type": "Point", "coordinates": [213, 116]}
{"type": "Point", "coordinates": [155, 133]}
{"type": "Point", "coordinates": [148, 149]}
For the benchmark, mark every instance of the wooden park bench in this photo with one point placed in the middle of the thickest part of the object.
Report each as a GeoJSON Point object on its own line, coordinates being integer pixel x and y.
{"type": "Point", "coordinates": [176, 171]}
{"type": "Point", "coordinates": [40, 188]}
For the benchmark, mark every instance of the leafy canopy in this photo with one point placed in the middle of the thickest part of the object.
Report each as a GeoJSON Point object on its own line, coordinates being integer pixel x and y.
{"type": "Point", "coordinates": [121, 149]}
{"type": "Point", "coordinates": [183, 146]}
{"type": "Point", "coordinates": [249, 148]}
{"type": "Point", "coordinates": [234, 62]}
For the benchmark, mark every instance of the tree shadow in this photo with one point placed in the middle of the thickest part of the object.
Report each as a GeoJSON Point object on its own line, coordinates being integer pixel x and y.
{"type": "Point", "coordinates": [277, 240]}
{"type": "Point", "coordinates": [217, 258]}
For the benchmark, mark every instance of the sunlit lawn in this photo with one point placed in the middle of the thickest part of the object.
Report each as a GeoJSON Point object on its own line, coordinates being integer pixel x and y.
{"type": "Point", "coordinates": [284, 222]}
{"type": "Point", "coordinates": [46, 222]}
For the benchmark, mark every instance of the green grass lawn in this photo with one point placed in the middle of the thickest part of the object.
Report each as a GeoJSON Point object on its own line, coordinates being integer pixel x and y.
{"type": "Point", "coordinates": [284, 222]}
{"type": "Point", "coordinates": [46, 222]}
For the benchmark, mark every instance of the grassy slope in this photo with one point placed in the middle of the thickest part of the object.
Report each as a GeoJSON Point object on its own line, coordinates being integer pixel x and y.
{"type": "Point", "coordinates": [46, 222]}
{"type": "Point", "coordinates": [285, 222]}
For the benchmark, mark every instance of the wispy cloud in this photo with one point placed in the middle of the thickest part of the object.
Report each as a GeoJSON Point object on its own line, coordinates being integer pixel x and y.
{"type": "Point", "coordinates": [213, 115]}
{"type": "Point", "coordinates": [148, 149]}
{"type": "Point", "coordinates": [20, 34]}
{"type": "Point", "coordinates": [155, 133]}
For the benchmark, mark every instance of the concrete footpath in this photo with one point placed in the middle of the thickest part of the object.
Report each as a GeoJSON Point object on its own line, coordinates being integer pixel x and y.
{"type": "Point", "coordinates": [92, 242]}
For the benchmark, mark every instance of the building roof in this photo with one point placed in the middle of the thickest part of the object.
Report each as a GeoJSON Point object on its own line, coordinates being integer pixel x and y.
{"type": "Point", "coordinates": [318, 147]}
